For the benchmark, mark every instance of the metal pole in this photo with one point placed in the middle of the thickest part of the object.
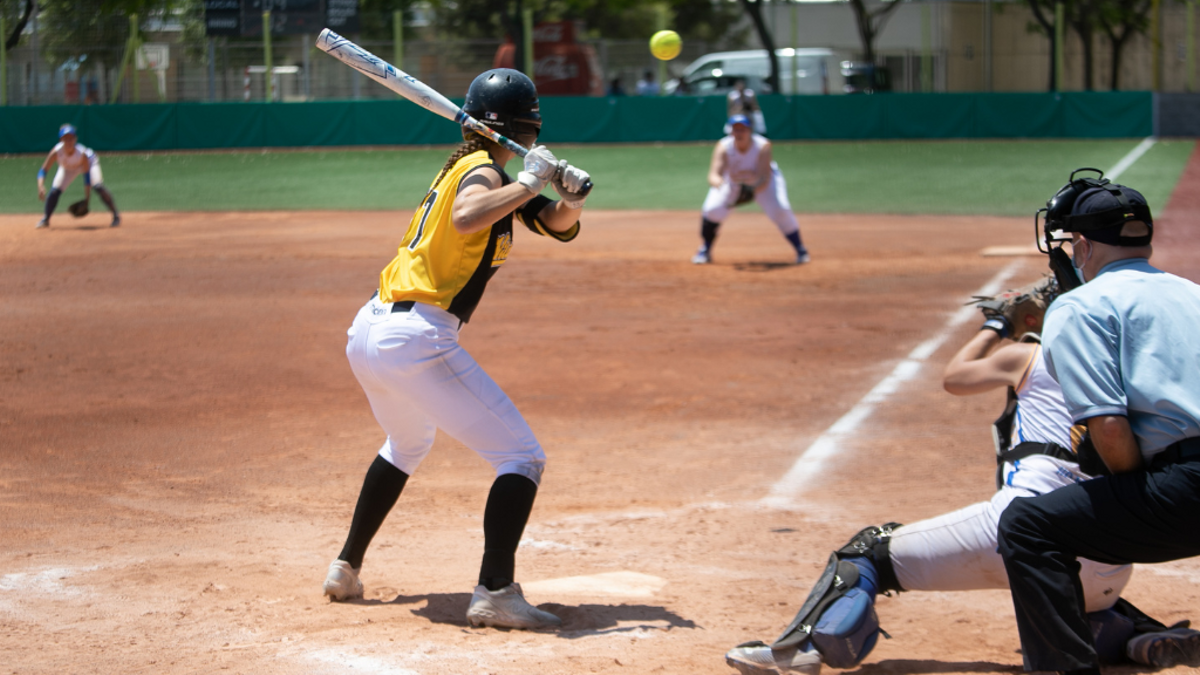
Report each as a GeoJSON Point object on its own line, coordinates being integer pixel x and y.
{"type": "Point", "coordinates": [1059, 47]}
{"type": "Point", "coordinates": [527, 23]}
{"type": "Point", "coordinates": [1155, 45]}
{"type": "Point", "coordinates": [212, 70]}
{"type": "Point", "coordinates": [795, 47]}
{"type": "Point", "coordinates": [3, 64]}
{"type": "Point", "coordinates": [36, 56]}
{"type": "Point", "coordinates": [306, 44]}
{"type": "Point", "coordinates": [135, 78]}
{"type": "Point", "coordinates": [987, 45]}
{"type": "Point", "coordinates": [270, 86]}
{"type": "Point", "coordinates": [926, 48]}
{"type": "Point", "coordinates": [398, 38]}
{"type": "Point", "coordinates": [1190, 65]}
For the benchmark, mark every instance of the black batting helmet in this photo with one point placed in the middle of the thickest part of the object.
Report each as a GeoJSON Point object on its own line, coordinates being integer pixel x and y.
{"type": "Point", "coordinates": [504, 100]}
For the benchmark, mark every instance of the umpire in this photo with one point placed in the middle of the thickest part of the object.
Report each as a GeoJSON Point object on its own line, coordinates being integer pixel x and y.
{"type": "Point", "coordinates": [1124, 348]}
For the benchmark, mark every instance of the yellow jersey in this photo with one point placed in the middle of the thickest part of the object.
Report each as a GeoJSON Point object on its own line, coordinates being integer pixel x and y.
{"type": "Point", "coordinates": [436, 265]}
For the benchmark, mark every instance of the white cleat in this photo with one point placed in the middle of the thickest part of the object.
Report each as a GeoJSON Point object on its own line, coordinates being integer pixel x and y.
{"type": "Point", "coordinates": [507, 608]}
{"type": "Point", "coordinates": [802, 258]}
{"type": "Point", "coordinates": [757, 658]}
{"type": "Point", "coordinates": [42, 223]}
{"type": "Point", "coordinates": [341, 583]}
{"type": "Point", "coordinates": [702, 257]}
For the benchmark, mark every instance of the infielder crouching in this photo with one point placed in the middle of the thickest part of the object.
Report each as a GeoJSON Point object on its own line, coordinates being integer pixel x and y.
{"type": "Point", "coordinates": [742, 170]}
{"type": "Point", "coordinates": [957, 551]}
{"type": "Point", "coordinates": [74, 159]}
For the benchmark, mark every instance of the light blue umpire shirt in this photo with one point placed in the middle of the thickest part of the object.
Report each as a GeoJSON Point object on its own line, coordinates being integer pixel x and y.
{"type": "Point", "coordinates": [1128, 343]}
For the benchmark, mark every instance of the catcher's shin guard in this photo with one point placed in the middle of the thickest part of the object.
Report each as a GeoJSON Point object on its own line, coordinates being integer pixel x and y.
{"type": "Point", "coordinates": [838, 617]}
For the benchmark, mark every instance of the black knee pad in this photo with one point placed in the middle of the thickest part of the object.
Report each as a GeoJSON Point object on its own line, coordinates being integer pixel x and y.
{"type": "Point", "coordinates": [872, 543]}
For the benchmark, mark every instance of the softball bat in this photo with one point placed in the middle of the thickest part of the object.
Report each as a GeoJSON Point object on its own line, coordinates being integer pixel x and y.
{"type": "Point", "coordinates": [412, 89]}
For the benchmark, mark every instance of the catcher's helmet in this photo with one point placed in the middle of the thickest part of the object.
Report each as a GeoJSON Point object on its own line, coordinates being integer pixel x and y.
{"type": "Point", "coordinates": [505, 100]}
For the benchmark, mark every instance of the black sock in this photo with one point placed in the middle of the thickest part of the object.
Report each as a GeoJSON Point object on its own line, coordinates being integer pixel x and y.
{"type": "Point", "coordinates": [794, 238]}
{"type": "Point", "coordinates": [508, 507]}
{"type": "Point", "coordinates": [708, 232]}
{"type": "Point", "coordinates": [52, 201]}
{"type": "Point", "coordinates": [381, 488]}
{"type": "Point", "coordinates": [108, 199]}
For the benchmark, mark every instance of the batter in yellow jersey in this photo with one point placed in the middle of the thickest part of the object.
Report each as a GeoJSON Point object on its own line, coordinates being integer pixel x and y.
{"type": "Point", "coordinates": [437, 265]}
{"type": "Point", "coordinates": [403, 345]}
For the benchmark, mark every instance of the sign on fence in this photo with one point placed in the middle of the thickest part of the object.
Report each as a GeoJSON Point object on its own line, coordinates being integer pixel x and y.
{"type": "Point", "coordinates": [243, 18]}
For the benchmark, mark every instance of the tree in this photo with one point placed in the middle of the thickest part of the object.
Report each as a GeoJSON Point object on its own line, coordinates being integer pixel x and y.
{"type": "Point", "coordinates": [21, 10]}
{"type": "Point", "coordinates": [871, 22]}
{"type": "Point", "coordinates": [1080, 15]}
{"type": "Point", "coordinates": [1121, 20]}
{"type": "Point", "coordinates": [754, 9]}
{"type": "Point", "coordinates": [1047, 27]}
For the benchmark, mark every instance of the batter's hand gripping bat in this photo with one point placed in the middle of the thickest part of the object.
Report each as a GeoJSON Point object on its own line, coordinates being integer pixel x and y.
{"type": "Point", "coordinates": [411, 88]}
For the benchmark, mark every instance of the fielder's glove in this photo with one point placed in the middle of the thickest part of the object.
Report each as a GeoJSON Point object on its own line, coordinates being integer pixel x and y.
{"type": "Point", "coordinates": [571, 183]}
{"type": "Point", "coordinates": [540, 167]}
{"type": "Point", "coordinates": [1016, 313]}
{"type": "Point", "coordinates": [745, 194]}
{"type": "Point", "coordinates": [78, 209]}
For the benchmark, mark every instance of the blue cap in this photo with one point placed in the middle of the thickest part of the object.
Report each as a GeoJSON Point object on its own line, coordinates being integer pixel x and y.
{"type": "Point", "coordinates": [739, 119]}
{"type": "Point", "coordinates": [66, 129]}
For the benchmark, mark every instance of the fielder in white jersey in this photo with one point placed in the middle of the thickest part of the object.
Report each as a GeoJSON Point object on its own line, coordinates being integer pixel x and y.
{"type": "Point", "coordinates": [956, 551]}
{"type": "Point", "coordinates": [74, 160]}
{"type": "Point", "coordinates": [742, 170]}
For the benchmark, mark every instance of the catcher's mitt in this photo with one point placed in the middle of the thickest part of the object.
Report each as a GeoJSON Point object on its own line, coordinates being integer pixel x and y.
{"type": "Point", "coordinates": [745, 194]}
{"type": "Point", "coordinates": [79, 209]}
{"type": "Point", "coordinates": [1017, 313]}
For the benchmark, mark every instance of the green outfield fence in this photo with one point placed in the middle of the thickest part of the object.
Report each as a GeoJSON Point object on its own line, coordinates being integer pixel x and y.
{"type": "Point", "coordinates": [190, 126]}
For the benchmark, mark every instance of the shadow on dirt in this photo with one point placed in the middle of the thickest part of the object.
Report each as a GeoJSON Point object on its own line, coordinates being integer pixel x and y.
{"type": "Point", "coordinates": [578, 620]}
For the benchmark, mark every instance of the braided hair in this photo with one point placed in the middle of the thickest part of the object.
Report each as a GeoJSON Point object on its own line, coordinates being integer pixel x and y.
{"type": "Point", "coordinates": [473, 144]}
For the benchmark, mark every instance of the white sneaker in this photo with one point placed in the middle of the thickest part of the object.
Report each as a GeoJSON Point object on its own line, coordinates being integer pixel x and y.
{"type": "Point", "coordinates": [42, 223]}
{"type": "Point", "coordinates": [507, 608]}
{"type": "Point", "coordinates": [341, 583]}
{"type": "Point", "coordinates": [757, 658]}
{"type": "Point", "coordinates": [702, 257]}
{"type": "Point", "coordinates": [1166, 649]}
{"type": "Point", "coordinates": [802, 258]}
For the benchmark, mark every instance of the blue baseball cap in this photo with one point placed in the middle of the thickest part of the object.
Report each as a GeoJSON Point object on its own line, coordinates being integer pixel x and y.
{"type": "Point", "coordinates": [66, 129]}
{"type": "Point", "coordinates": [739, 119]}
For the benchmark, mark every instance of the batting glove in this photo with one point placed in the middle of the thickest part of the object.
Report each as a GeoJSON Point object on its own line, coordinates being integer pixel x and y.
{"type": "Point", "coordinates": [540, 167]}
{"type": "Point", "coordinates": [569, 182]}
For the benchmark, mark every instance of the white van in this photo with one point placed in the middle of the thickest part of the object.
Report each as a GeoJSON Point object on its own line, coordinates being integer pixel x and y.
{"type": "Point", "coordinates": [801, 71]}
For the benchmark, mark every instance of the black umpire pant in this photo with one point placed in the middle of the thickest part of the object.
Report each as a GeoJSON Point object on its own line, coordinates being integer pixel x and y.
{"type": "Point", "coordinates": [1145, 516]}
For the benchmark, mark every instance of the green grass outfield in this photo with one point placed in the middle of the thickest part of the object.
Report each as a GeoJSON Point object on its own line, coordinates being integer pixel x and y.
{"type": "Point", "coordinates": [1005, 178]}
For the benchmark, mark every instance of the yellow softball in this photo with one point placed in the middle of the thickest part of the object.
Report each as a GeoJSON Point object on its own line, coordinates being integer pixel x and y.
{"type": "Point", "coordinates": [665, 45]}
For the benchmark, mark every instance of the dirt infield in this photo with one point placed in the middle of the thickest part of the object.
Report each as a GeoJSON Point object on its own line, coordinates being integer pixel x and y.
{"type": "Point", "coordinates": [181, 442]}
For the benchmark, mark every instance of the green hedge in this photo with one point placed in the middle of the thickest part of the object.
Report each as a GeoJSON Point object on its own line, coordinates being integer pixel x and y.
{"type": "Point", "coordinates": [184, 126]}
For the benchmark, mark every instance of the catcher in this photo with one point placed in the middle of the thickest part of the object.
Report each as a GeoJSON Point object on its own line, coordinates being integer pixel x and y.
{"type": "Point", "coordinates": [837, 624]}
{"type": "Point", "coordinates": [73, 159]}
{"type": "Point", "coordinates": [742, 171]}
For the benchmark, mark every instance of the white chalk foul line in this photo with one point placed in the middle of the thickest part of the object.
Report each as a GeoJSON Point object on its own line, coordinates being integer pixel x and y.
{"type": "Point", "coordinates": [1128, 160]}
{"type": "Point", "coordinates": [811, 462]}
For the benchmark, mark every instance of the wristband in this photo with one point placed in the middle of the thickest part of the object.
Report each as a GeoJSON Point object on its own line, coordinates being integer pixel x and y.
{"type": "Point", "coordinates": [997, 325]}
{"type": "Point", "coordinates": [41, 173]}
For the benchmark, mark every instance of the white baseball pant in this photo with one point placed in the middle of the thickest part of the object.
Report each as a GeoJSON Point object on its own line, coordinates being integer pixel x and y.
{"type": "Point", "coordinates": [63, 177]}
{"type": "Point", "coordinates": [418, 380]}
{"type": "Point", "coordinates": [957, 552]}
{"type": "Point", "coordinates": [773, 199]}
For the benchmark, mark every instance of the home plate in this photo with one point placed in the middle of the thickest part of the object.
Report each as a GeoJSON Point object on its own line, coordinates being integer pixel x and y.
{"type": "Point", "coordinates": [993, 251]}
{"type": "Point", "coordinates": [618, 584]}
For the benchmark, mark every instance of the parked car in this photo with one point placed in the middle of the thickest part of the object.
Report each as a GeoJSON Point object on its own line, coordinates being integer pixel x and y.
{"type": "Point", "coordinates": [865, 78]}
{"type": "Point", "coordinates": [801, 71]}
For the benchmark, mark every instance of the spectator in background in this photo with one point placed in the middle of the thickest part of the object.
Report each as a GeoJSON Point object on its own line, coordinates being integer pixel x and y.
{"type": "Point", "coordinates": [615, 88]}
{"type": "Point", "coordinates": [647, 86]}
